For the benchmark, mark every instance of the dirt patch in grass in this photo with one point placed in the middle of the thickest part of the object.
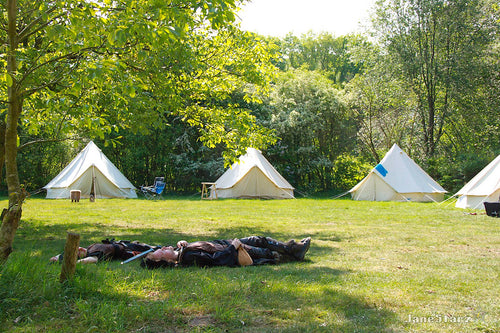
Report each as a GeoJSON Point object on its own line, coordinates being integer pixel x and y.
{"type": "Point", "coordinates": [201, 321]}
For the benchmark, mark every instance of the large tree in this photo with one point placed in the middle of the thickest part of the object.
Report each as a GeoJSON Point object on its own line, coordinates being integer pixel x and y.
{"type": "Point", "coordinates": [313, 126]}
{"type": "Point", "coordinates": [77, 66]}
{"type": "Point", "coordinates": [439, 48]}
{"type": "Point", "coordinates": [321, 52]}
{"type": "Point", "coordinates": [221, 78]}
{"type": "Point", "coordinates": [382, 104]}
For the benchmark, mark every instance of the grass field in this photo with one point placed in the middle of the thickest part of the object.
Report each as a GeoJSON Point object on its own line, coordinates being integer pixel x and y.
{"type": "Point", "coordinates": [372, 267]}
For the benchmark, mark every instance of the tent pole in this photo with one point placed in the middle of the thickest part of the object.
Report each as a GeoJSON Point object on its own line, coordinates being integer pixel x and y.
{"type": "Point", "coordinates": [95, 186]}
{"type": "Point", "coordinates": [92, 186]}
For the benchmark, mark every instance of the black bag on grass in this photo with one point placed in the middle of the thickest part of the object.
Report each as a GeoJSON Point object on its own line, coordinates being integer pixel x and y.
{"type": "Point", "coordinates": [492, 208]}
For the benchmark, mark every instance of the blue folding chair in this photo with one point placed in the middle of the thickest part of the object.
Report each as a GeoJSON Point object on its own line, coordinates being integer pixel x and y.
{"type": "Point", "coordinates": [154, 192]}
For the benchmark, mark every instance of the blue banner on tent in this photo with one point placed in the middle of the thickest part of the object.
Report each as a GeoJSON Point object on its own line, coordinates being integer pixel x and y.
{"type": "Point", "coordinates": [380, 168]}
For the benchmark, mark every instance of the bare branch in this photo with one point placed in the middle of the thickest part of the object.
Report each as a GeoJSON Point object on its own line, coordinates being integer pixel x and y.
{"type": "Point", "coordinates": [30, 143]}
{"type": "Point", "coordinates": [71, 55]}
{"type": "Point", "coordinates": [26, 31]}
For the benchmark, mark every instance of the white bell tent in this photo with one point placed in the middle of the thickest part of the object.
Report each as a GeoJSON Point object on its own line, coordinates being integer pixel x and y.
{"type": "Point", "coordinates": [90, 171]}
{"type": "Point", "coordinates": [397, 178]}
{"type": "Point", "coordinates": [484, 187]}
{"type": "Point", "coordinates": [252, 177]}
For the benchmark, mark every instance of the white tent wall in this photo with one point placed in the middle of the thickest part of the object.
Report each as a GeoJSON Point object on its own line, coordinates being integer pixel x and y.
{"type": "Point", "coordinates": [422, 197]}
{"type": "Point", "coordinates": [373, 188]}
{"type": "Point", "coordinates": [103, 188]}
{"type": "Point", "coordinates": [83, 184]}
{"type": "Point", "coordinates": [252, 177]}
{"type": "Point", "coordinates": [397, 178]}
{"type": "Point", "coordinates": [255, 184]}
{"type": "Point", "coordinates": [376, 189]}
{"type": "Point", "coordinates": [90, 163]}
{"type": "Point", "coordinates": [484, 187]}
{"type": "Point", "coordinates": [476, 201]}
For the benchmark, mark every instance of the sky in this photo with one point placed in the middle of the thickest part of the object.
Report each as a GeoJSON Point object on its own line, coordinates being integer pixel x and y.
{"type": "Point", "coordinates": [280, 17]}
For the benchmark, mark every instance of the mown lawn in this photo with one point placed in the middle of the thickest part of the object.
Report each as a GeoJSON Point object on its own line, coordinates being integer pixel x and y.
{"type": "Point", "coordinates": [372, 267]}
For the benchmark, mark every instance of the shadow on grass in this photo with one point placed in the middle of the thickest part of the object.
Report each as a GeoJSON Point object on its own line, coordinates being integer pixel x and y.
{"type": "Point", "coordinates": [294, 297]}
{"type": "Point", "coordinates": [47, 240]}
{"type": "Point", "coordinates": [287, 298]}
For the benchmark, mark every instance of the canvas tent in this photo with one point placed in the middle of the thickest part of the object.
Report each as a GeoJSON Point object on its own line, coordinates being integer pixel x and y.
{"type": "Point", "coordinates": [397, 178]}
{"type": "Point", "coordinates": [484, 187]}
{"type": "Point", "coordinates": [252, 177]}
{"type": "Point", "coordinates": [90, 169]}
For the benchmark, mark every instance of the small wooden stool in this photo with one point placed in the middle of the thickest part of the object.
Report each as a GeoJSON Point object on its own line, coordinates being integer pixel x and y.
{"type": "Point", "coordinates": [75, 195]}
{"type": "Point", "coordinates": [205, 193]}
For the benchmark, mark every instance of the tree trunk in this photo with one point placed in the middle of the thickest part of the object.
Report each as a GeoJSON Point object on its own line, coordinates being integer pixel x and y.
{"type": "Point", "coordinates": [11, 215]}
{"type": "Point", "coordinates": [2, 145]}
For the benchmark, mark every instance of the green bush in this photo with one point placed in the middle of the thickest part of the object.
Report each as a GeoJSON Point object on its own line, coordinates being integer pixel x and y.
{"type": "Point", "coordinates": [348, 170]}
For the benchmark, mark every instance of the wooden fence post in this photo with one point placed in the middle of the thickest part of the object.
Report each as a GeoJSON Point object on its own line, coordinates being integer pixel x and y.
{"type": "Point", "coordinates": [70, 256]}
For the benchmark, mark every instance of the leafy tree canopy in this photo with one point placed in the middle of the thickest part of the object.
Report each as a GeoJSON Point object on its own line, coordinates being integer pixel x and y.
{"type": "Point", "coordinates": [91, 67]}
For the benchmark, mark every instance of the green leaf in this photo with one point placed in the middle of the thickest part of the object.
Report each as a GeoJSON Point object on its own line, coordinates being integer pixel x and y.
{"type": "Point", "coordinates": [8, 80]}
{"type": "Point", "coordinates": [131, 92]}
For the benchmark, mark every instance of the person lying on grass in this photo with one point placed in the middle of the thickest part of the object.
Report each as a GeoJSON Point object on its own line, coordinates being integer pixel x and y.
{"type": "Point", "coordinates": [262, 250]}
{"type": "Point", "coordinates": [107, 250]}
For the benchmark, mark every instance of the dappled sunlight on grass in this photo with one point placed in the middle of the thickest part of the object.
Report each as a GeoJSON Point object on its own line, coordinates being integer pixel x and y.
{"type": "Point", "coordinates": [370, 267]}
